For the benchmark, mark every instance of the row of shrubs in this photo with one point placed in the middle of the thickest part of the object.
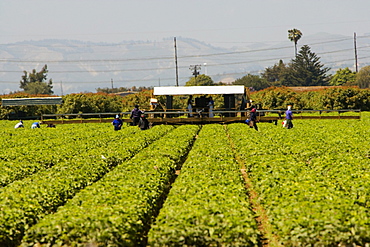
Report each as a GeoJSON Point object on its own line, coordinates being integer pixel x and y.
{"type": "Point", "coordinates": [331, 98]}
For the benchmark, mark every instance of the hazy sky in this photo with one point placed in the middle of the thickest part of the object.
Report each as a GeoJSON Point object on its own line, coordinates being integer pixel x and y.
{"type": "Point", "coordinates": [217, 22]}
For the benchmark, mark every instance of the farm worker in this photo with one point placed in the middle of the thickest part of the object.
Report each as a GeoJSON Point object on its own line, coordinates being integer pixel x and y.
{"type": "Point", "coordinates": [288, 118]}
{"type": "Point", "coordinates": [117, 123]}
{"type": "Point", "coordinates": [210, 105]}
{"type": "Point", "coordinates": [35, 125]}
{"type": "Point", "coordinates": [50, 125]}
{"type": "Point", "coordinates": [135, 115]}
{"type": "Point", "coordinates": [253, 119]}
{"type": "Point", "coordinates": [19, 125]}
{"type": "Point", "coordinates": [190, 105]}
{"type": "Point", "coordinates": [143, 122]}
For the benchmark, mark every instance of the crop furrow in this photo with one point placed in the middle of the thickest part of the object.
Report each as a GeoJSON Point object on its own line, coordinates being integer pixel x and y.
{"type": "Point", "coordinates": [207, 204]}
{"type": "Point", "coordinates": [315, 191]}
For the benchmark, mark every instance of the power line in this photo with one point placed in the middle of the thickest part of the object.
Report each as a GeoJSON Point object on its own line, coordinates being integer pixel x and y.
{"type": "Point", "coordinates": [144, 80]}
{"type": "Point", "coordinates": [185, 78]}
{"type": "Point", "coordinates": [165, 58]}
{"type": "Point", "coordinates": [170, 68]}
{"type": "Point", "coordinates": [161, 58]}
{"type": "Point", "coordinates": [153, 69]}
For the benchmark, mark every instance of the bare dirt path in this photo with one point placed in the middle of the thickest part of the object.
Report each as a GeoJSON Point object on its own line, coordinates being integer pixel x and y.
{"type": "Point", "coordinates": [268, 239]}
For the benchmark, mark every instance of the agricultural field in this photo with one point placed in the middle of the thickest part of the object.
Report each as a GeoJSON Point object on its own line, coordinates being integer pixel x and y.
{"type": "Point", "coordinates": [189, 185]}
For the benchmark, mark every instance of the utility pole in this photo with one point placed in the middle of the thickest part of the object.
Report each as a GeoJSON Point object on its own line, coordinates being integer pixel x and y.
{"type": "Point", "coordinates": [356, 64]}
{"type": "Point", "coordinates": [195, 69]}
{"type": "Point", "coordinates": [111, 81]}
{"type": "Point", "coordinates": [61, 87]}
{"type": "Point", "coordinates": [177, 69]}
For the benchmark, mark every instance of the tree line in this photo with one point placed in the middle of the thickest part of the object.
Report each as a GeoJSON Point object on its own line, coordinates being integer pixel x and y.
{"type": "Point", "coordinates": [303, 71]}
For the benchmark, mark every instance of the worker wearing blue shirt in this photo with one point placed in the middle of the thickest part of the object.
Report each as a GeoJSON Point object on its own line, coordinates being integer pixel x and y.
{"type": "Point", "coordinates": [288, 118]}
{"type": "Point", "coordinates": [117, 123]}
{"type": "Point", "coordinates": [35, 125]}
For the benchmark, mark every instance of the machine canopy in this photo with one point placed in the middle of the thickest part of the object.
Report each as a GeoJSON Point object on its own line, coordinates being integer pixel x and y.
{"type": "Point", "coordinates": [32, 101]}
{"type": "Point", "coordinates": [192, 90]}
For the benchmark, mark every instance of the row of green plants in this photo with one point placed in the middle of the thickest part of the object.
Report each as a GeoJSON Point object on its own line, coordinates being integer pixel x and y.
{"type": "Point", "coordinates": [312, 180]}
{"type": "Point", "coordinates": [24, 202]}
{"type": "Point", "coordinates": [118, 209]}
{"type": "Point", "coordinates": [207, 205]}
{"type": "Point", "coordinates": [27, 151]}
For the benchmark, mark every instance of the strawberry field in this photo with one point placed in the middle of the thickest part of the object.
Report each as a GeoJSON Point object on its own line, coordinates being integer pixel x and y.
{"type": "Point", "coordinates": [211, 185]}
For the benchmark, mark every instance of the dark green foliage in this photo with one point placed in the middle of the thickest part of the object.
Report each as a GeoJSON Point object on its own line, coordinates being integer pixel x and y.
{"type": "Point", "coordinates": [363, 77]}
{"type": "Point", "coordinates": [254, 82]}
{"type": "Point", "coordinates": [306, 70]}
{"type": "Point", "coordinates": [275, 75]}
{"type": "Point", "coordinates": [343, 77]}
{"type": "Point", "coordinates": [90, 103]}
{"type": "Point", "coordinates": [346, 98]}
{"type": "Point", "coordinates": [200, 80]}
{"type": "Point", "coordinates": [142, 99]}
{"type": "Point", "coordinates": [35, 82]}
{"type": "Point", "coordinates": [276, 98]}
{"type": "Point", "coordinates": [331, 98]}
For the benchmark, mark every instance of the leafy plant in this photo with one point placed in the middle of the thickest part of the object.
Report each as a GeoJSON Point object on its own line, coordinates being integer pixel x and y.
{"type": "Point", "coordinates": [119, 208]}
{"type": "Point", "coordinates": [207, 205]}
{"type": "Point", "coordinates": [26, 201]}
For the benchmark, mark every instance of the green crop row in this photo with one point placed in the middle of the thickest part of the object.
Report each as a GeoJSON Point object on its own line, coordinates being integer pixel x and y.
{"type": "Point", "coordinates": [26, 201]}
{"type": "Point", "coordinates": [312, 180]}
{"type": "Point", "coordinates": [47, 147]}
{"type": "Point", "coordinates": [34, 144]}
{"type": "Point", "coordinates": [207, 205]}
{"type": "Point", "coordinates": [118, 209]}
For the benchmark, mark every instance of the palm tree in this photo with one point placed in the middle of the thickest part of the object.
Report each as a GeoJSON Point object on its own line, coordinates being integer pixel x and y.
{"type": "Point", "coordinates": [294, 35]}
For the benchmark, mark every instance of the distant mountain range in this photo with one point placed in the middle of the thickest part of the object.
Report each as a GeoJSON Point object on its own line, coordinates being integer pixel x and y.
{"type": "Point", "coordinates": [76, 66]}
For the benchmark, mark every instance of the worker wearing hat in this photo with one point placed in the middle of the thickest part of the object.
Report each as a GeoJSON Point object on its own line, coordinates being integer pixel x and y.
{"type": "Point", "coordinates": [253, 119]}
{"type": "Point", "coordinates": [143, 122]}
{"type": "Point", "coordinates": [288, 118]}
{"type": "Point", "coordinates": [117, 123]}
